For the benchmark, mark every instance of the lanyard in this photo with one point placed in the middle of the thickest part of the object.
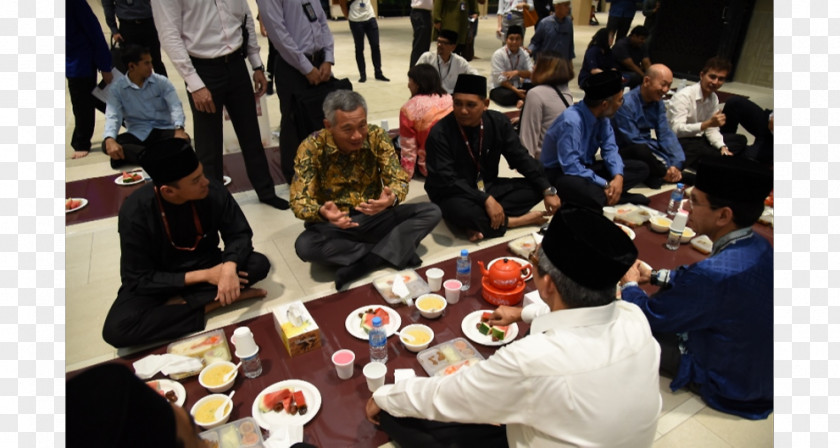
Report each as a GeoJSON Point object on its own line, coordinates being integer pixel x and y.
{"type": "Point", "coordinates": [442, 76]}
{"type": "Point", "coordinates": [513, 64]}
{"type": "Point", "coordinates": [197, 222]}
{"type": "Point", "coordinates": [469, 147]}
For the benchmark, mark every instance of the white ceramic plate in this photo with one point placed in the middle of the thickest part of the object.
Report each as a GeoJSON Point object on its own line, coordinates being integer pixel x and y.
{"type": "Point", "coordinates": [81, 206]}
{"type": "Point", "coordinates": [353, 323]}
{"type": "Point", "coordinates": [627, 230]}
{"type": "Point", "coordinates": [118, 180]}
{"type": "Point", "coordinates": [226, 180]}
{"type": "Point", "coordinates": [521, 261]}
{"type": "Point", "coordinates": [268, 419]}
{"type": "Point", "coordinates": [468, 326]}
{"type": "Point", "coordinates": [167, 385]}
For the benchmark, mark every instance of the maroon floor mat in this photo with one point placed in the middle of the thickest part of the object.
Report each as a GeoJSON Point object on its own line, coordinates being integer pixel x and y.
{"type": "Point", "coordinates": [105, 197]}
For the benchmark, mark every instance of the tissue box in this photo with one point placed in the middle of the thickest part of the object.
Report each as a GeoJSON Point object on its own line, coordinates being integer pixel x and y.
{"type": "Point", "coordinates": [296, 328]}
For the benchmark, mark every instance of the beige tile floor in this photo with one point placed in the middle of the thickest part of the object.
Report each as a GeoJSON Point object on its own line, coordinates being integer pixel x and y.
{"type": "Point", "coordinates": [93, 249]}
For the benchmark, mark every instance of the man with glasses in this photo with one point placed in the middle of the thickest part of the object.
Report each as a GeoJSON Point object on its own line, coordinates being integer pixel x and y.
{"type": "Point", "coordinates": [172, 269]}
{"type": "Point", "coordinates": [448, 64]}
{"type": "Point", "coordinates": [714, 319]}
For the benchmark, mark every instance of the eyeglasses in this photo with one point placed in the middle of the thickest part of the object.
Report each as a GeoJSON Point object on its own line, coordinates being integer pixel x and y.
{"type": "Point", "coordinates": [532, 257]}
{"type": "Point", "coordinates": [196, 221]}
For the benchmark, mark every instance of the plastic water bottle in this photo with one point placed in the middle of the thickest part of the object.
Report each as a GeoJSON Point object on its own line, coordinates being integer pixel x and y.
{"type": "Point", "coordinates": [463, 270]}
{"type": "Point", "coordinates": [676, 201]}
{"type": "Point", "coordinates": [676, 230]}
{"type": "Point", "coordinates": [252, 366]}
{"type": "Point", "coordinates": [378, 342]}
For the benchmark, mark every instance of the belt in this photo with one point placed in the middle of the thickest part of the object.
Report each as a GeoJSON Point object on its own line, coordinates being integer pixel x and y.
{"type": "Point", "coordinates": [236, 55]}
{"type": "Point", "coordinates": [316, 58]}
{"type": "Point", "coordinates": [137, 21]}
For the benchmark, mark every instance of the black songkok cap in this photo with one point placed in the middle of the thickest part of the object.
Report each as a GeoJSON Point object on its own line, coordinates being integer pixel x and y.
{"type": "Point", "coordinates": [449, 35]}
{"type": "Point", "coordinates": [588, 248]}
{"type": "Point", "coordinates": [169, 160]}
{"type": "Point", "coordinates": [733, 179]}
{"type": "Point", "coordinates": [110, 407]}
{"type": "Point", "coordinates": [473, 84]}
{"type": "Point", "coordinates": [515, 29]}
{"type": "Point", "coordinates": [601, 86]}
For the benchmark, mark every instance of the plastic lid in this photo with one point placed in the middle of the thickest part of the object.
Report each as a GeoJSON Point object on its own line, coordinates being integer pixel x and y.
{"type": "Point", "coordinates": [464, 252]}
{"type": "Point", "coordinates": [679, 185]}
{"type": "Point", "coordinates": [678, 225]}
{"type": "Point", "coordinates": [377, 321]}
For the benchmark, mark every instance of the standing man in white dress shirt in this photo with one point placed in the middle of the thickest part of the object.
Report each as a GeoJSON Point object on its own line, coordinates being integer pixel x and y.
{"type": "Point", "coordinates": [448, 64]}
{"type": "Point", "coordinates": [587, 375]}
{"type": "Point", "coordinates": [298, 29]}
{"type": "Point", "coordinates": [206, 41]}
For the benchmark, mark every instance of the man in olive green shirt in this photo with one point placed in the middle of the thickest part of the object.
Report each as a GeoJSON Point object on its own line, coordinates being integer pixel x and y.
{"type": "Point", "coordinates": [348, 186]}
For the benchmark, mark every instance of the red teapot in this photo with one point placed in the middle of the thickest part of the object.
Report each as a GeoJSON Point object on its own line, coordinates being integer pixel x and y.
{"type": "Point", "coordinates": [505, 274]}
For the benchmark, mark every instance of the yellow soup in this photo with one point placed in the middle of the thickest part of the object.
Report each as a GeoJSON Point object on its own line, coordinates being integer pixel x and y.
{"type": "Point", "coordinates": [430, 303]}
{"type": "Point", "coordinates": [214, 376]}
{"type": "Point", "coordinates": [420, 336]}
{"type": "Point", "coordinates": [205, 413]}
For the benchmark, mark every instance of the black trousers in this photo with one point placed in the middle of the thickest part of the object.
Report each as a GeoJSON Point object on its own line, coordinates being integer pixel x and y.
{"type": "Point", "coordinates": [417, 433]}
{"type": "Point", "coordinates": [517, 196]}
{"type": "Point", "coordinates": [370, 29]}
{"type": "Point", "coordinates": [741, 111]}
{"type": "Point", "coordinates": [144, 33]}
{"type": "Point", "coordinates": [621, 26]}
{"type": "Point", "coordinates": [392, 234]}
{"type": "Point", "coordinates": [421, 22]}
{"type": "Point", "coordinates": [231, 87]}
{"type": "Point", "coordinates": [504, 96]}
{"type": "Point", "coordinates": [642, 152]}
{"type": "Point", "coordinates": [133, 147]}
{"type": "Point", "coordinates": [288, 81]}
{"type": "Point", "coordinates": [139, 319]}
{"type": "Point", "coordinates": [582, 192]}
{"type": "Point", "coordinates": [84, 111]}
{"type": "Point", "coordinates": [696, 148]}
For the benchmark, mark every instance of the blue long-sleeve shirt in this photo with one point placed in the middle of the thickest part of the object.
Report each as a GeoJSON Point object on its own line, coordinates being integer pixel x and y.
{"type": "Point", "coordinates": [553, 35]}
{"type": "Point", "coordinates": [634, 121]}
{"type": "Point", "coordinates": [724, 307]}
{"type": "Point", "coordinates": [87, 50]}
{"type": "Point", "coordinates": [154, 106]}
{"type": "Point", "coordinates": [572, 141]}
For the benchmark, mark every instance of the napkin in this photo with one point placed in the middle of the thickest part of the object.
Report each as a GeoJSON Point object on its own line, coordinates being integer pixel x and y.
{"type": "Point", "coordinates": [167, 363]}
{"type": "Point", "coordinates": [403, 374]}
{"type": "Point", "coordinates": [284, 436]}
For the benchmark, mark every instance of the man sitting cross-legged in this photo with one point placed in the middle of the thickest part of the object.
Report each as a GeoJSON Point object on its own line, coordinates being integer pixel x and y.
{"type": "Point", "coordinates": [462, 157]}
{"type": "Point", "coordinates": [172, 269]}
{"type": "Point", "coordinates": [348, 186]}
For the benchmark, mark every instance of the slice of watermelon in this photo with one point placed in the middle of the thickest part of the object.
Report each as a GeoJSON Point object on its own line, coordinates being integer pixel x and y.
{"type": "Point", "coordinates": [499, 332]}
{"type": "Point", "coordinates": [367, 319]}
{"type": "Point", "coordinates": [271, 399]}
{"type": "Point", "coordinates": [485, 316]}
{"type": "Point", "coordinates": [300, 402]}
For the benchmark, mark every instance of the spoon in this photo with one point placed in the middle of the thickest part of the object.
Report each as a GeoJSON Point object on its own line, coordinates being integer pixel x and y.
{"type": "Point", "coordinates": [230, 374]}
{"type": "Point", "coordinates": [407, 338]}
{"type": "Point", "coordinates": [220, 412]}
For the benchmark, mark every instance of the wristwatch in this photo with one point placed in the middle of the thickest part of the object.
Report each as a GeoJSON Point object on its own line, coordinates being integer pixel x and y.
{"type": "Point", "coordinates": [260, 68]}
{"type": "Point", "coordinates": [550, 191]}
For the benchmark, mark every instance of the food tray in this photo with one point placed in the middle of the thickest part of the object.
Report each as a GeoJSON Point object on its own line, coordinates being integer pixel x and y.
{"type": "Point", "coordinates": [207, 347]}
{"type": "Point", "coordinates": [448, 357]}
{"type": "Point", "coordinates": [634, 218]}
{"type": "Point", "coordinates": [240, 433]}
{"type": "Point", "coordinates": [416, 286]}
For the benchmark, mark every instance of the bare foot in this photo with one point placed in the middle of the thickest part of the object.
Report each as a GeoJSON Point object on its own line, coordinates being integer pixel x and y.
{"type": "Point", "coordinates": [80, 154]}
{"type": "Point", "coordinates": [531, 218]}
{"type": "Point", "coordinates": [245, 294]}
{"type": "Point", "coordinates": [475, 235]}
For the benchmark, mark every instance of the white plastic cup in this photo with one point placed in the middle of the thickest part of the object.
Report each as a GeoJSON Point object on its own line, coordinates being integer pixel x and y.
{"type": "Point", "coordinates": [343, 361]}
{"type": "Point", "coordinates": [375, 375]}
{"type": "Point", "coordinates": [453, 291]}
{"type": "Point", "coordinates": [243, 339]}
{"type": "Point", "coordinates": [435, 277]}
{"type": "Point", "coordinates": [609, 212]}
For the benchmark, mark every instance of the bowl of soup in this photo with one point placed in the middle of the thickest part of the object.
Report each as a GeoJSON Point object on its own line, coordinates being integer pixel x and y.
{"type": "Point", "coordinates": [431, 306]}
{"type": "Point", "coordinates": [416, 337]}
{"type": "Point", "coordinates": [204, 411]}
{"type": "Point", "coordinates": [660, 224]}
{"type": "Point", "coordinates": [212, 377]}
{"type": "Point", "coordinates": [687, 235]}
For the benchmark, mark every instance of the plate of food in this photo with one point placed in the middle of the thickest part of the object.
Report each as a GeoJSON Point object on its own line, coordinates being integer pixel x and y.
{"type": "Point", "coordinates": [476, 329]}
{"type": "Point", "coordinates": [627, 230]}
{"type": "Point", "coordinates": [173, 391]}
{"type": "Point", "coordinates": [130, 178]}
{"type": "Point", "coordinates": [359, 322]}
{"type": "Point", "coordinates": [226, 180]}
{"type": "Point", "coordinates": [74, 204]}
{"type": "Point", "coordinates": [289, 402]}
{"type": "Point", "coordinates": [528, 275]}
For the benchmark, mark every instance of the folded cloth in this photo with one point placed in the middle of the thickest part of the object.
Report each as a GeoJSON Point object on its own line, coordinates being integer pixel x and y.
{"type": "Point", "coordinates": [284, 436]}
{"type": "Point", "coordinates": [167, 363]}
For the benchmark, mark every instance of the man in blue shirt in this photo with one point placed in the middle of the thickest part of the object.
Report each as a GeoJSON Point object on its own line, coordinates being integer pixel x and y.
{"type": "Point", "coordinates": [572, 141]}
{"type": "Point", "coordinates": [631, 55]}
{"type": "Point", "coordinates": [643, 111]}
{"type": "Point", "coordinates": [714, 319]}
{"type": "Point", "coordinates": [555, 32]}
{"type": "Point", "coordinates": [148, 105]}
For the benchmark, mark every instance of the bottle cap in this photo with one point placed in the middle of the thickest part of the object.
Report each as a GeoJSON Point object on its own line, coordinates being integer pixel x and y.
{"type": "Point", "coordinates": [678, 224]}
{"type": "Point", "coordinates": [464, 252]}
{"type": "Point", "coordinates": [679, 185]}
{"type": "Point", "coordinates": [377, 321]}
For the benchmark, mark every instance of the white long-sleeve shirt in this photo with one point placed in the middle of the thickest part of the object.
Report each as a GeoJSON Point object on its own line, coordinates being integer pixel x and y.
{"type": "Point", "coordinates": [504, 61]}
{"type": "Point", "coordinates": [203, 29]}
{"type": "Point", "coordinates": [583, 377]}
{"type": "Point", "coordinates": [448, 71]}
{"type": "Point", "coordinates": [687, 111]}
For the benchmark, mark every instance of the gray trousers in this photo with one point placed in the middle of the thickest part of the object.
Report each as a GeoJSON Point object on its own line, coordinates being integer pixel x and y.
{"type": "Point", "coordinates": [392, 234]}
